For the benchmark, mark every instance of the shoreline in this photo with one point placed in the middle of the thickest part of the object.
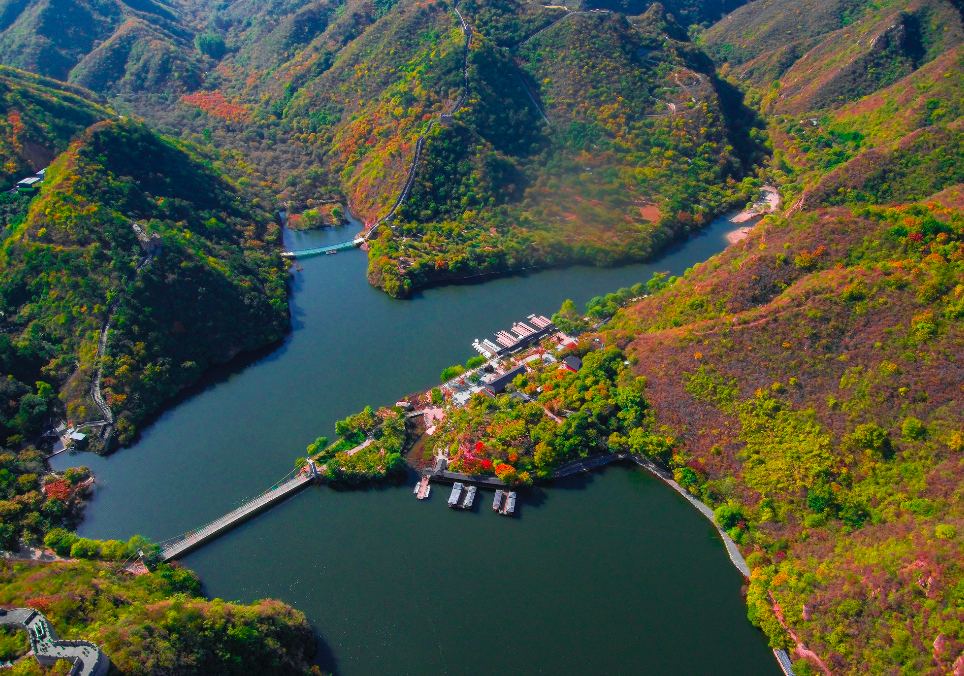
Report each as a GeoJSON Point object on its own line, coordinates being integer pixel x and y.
{"type": "Point", "coordinates": [768, 205]}
{"type": "Point", "coordinates": [762, 207]}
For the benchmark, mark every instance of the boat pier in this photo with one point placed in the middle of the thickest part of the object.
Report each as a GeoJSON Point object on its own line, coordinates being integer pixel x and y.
{"type": "Point", "coordinates": [423, 489]}
{"type": "Point", "coordinates": [462, 497]}
{"type": "Point", "coordinates": [504, 502]}
{"type": "Point", "coordinates": [446, 477]}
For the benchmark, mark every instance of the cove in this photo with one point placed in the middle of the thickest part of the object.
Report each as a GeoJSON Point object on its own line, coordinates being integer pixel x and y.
{"type": "Point", "coordinates": [609, 574]}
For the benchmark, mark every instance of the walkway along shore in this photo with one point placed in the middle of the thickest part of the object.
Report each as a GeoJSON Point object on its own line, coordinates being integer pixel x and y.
{"type": "Point", "coordinates": [731, 547]}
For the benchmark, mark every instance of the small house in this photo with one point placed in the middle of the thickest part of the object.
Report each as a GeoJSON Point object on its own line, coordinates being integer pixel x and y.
{"type": "Point", "coordinates": [29, 184]}
{"type": "Point", "coordinates": [497, 385]}
{"type": "Point", "coordinates": [77, 439]}
{"type": "Point", "coordinates": [572, 363]}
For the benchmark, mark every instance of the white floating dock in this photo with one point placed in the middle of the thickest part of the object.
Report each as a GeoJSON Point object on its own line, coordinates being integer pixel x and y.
{"type": "Point", "coordinates": [455, 496]}
{"type": "Point", "coordinates": [509, 508]}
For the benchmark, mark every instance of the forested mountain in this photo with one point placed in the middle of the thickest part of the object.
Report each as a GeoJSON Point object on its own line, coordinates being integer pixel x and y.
{"type": "Point", "coordinates": [864, 101]}
{"type": "Point", "coordinates": [109, 46]}
{"type": "Point", "coordinates": [806, 382]}
{"type": "Point", "coordinates": [135, 265]}
{"type": "Point", "coordinates": [198, 279]}
{"type": "Point", "coordinates": [40, 118]}
{"type": "Point", "coordinates": [810, 376]}
{"type": "Point", "coordinates": [810, 381]}
{"type": "Point", "coordinates": [582, 137]}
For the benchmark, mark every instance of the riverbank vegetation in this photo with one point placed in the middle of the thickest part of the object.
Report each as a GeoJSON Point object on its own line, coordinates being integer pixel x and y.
{"type": "Point", "coordinates": [34, 502]}
{"type": "Point", "coordinates": [317, 216]}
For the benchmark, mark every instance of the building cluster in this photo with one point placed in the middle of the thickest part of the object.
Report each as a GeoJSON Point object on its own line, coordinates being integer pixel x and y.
{"type": "Point", "coordinates": [493, 379]}
{"type": "Point", "coordinates": [518, 337]}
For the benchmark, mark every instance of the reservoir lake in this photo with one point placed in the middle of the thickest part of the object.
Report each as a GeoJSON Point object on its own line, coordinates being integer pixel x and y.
{"type": "Point", "coordinates": [609, 573]}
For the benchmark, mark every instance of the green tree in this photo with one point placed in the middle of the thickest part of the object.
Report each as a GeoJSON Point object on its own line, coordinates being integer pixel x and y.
{"type": "Point", "coordinates": [452, 372]}
{"type": "Point", "coordinates": [913, 429]}
{"type": "Point", "coordinates": [318, 445]}
{"type": "Point", "coordinates": [60, 540]}
{"type": "Point", "coordinates": [84, 548]}
{"type": "Point", "coordinates": [728, 515]}
{"type": "Point", "coordinates": [872, 438]}
{"type": "Point", "coordinates": [210, 44]}
{"type": "Point", "coordinates": [657, 282]}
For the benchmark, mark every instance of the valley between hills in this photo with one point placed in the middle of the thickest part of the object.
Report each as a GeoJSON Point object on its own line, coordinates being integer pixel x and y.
{"type": "Point", "coordinates": [805, 383]}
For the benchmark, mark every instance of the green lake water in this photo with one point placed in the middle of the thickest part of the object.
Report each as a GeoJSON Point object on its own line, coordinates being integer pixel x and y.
{"type": "Point", "coordinates": [613, 573]}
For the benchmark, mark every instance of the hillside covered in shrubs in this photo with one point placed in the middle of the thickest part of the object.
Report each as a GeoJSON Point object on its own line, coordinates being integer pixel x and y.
{"type": "Point", "coordinates": [812, 379]}
{"type": "Point", "coordinates": [625, 144]}
{"type": "Point", "coordinates": [210, 285]}
{"type": "Point", "coordinates": [806, 383]}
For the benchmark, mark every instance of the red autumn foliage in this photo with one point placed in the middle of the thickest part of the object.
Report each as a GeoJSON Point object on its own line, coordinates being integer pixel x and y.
{"type": "Point", "coordinates": [214, 103]}
{"type": "Point", "coordinates": [41, 603]}
{"type": "Point", "coordinates": [58, 490]}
